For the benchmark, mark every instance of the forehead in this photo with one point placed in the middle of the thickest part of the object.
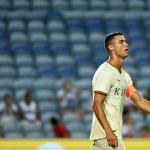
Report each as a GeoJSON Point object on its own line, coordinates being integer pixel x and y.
{"type": "Point", "coordinates": [119, 38]}
{"type": "Point", "coordinates": [7, 98]}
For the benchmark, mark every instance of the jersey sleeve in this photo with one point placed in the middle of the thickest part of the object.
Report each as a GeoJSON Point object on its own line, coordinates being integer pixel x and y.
{"type": "Point", "coordinates": [130, 87]}
{"type": "Point", "coordinates": [102, 81]}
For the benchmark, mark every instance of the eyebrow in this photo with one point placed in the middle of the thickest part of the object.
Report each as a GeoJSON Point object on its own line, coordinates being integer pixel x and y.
{"type": "Point", "coordinates": [123, 40]}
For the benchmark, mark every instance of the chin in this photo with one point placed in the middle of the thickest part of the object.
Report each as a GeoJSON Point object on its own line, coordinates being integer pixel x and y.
{"type": "Point", "coordinates": [124, 57]}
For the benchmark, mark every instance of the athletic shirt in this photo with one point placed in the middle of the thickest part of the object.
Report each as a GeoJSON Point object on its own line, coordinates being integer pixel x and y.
{"type": "Point", "coordinates": [107, 79]}
{"type": "Point", "coordinates": [29, 110]}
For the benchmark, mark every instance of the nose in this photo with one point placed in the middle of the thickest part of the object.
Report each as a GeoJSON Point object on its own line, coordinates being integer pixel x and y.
{"type": "Point", "coordinates": [126, 44]}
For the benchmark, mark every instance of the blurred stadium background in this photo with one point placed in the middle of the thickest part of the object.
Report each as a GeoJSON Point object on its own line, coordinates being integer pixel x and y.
{"type": "Point", "coordinates": [43, 43]}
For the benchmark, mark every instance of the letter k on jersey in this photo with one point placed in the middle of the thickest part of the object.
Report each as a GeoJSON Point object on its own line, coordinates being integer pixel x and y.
{"type": "Point", "coordinates": [117, 91]}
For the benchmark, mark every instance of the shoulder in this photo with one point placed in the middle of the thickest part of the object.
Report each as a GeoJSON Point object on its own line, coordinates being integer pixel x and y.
{"type": "Point", "coordinates": [126, 74]}
{"type": "Point", "coordinates": [104, 69]}
{"type": "Point", "coordinates": [128, 79]}
{"type": "Point", "coordinates": [33, 104]}
{"type": "Point", "coordinates": [2, 106]}
{"type": "Point", "coordinates": [103, 74]}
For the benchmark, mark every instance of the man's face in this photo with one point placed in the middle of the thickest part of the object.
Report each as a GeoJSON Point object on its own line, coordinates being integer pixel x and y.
{"type": "Point", "coordinates": [119, 46]}
{"type": "Point", "coordinates": [67, 86]}
{"type": "Point", "coordinates": [8, 101]}
{"type": "Point", "coordinates": [28, 98]}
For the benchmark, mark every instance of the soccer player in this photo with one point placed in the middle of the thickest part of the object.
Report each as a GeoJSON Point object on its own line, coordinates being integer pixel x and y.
{"type": "Point", "coordinates": [111, 83]}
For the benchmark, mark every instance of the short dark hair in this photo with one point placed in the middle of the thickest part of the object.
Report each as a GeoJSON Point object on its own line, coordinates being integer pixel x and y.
{"type": "Point", "coordinates": [109, 37]}
{"type": "Point", "coordinates": [53, 121]}
{"type": "Point", "coordinates": [28, 93]}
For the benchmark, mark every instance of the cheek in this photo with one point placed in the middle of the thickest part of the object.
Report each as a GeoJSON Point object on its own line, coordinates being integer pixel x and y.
{"type": "Point", "coordinates": [118, 45]}
{"type": "Point", "coordinates": [117, 48]}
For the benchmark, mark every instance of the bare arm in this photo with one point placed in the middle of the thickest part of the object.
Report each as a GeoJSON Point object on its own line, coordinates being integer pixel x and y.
{"type": "Point", "coordinates": [99, 112]}
{"type": "Point", "coordinates": [37, 111]}
{"type": "Point", "coordinates": [21, 114]}
{"type": "Point", "coordinates": [140, 101]}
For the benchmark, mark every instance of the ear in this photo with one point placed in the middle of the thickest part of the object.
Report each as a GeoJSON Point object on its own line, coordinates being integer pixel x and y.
{"type": "Point", "coordinates": [110, 47]}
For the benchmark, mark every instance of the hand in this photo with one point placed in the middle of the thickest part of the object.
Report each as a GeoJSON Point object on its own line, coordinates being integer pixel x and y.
{"type": "Point", "coordinates": [112, 139]}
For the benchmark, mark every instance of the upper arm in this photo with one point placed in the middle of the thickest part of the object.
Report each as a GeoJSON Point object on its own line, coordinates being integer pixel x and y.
{"type": "Point", "coordinates": [37, 108]}
{"type": "Point", "coordinates": [101, 85]}
{"type": "Point", "coordinates": [101, 82]}
{"type": "Point", "coordinates": [99, 98]}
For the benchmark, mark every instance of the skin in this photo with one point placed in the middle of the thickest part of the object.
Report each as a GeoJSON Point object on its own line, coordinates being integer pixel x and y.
{"type": "Point", "coordinates": [118, 51]}
{"type": "Point", "coordinates": [8, 101]}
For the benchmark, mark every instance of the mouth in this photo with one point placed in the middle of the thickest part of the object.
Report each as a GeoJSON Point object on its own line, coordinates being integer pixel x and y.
{"type": "Point", "coordinates": [126, 50]}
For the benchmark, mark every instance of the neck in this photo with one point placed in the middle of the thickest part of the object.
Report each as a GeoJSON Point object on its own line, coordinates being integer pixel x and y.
{"type": "Point", "coordinates": [116, 62]}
